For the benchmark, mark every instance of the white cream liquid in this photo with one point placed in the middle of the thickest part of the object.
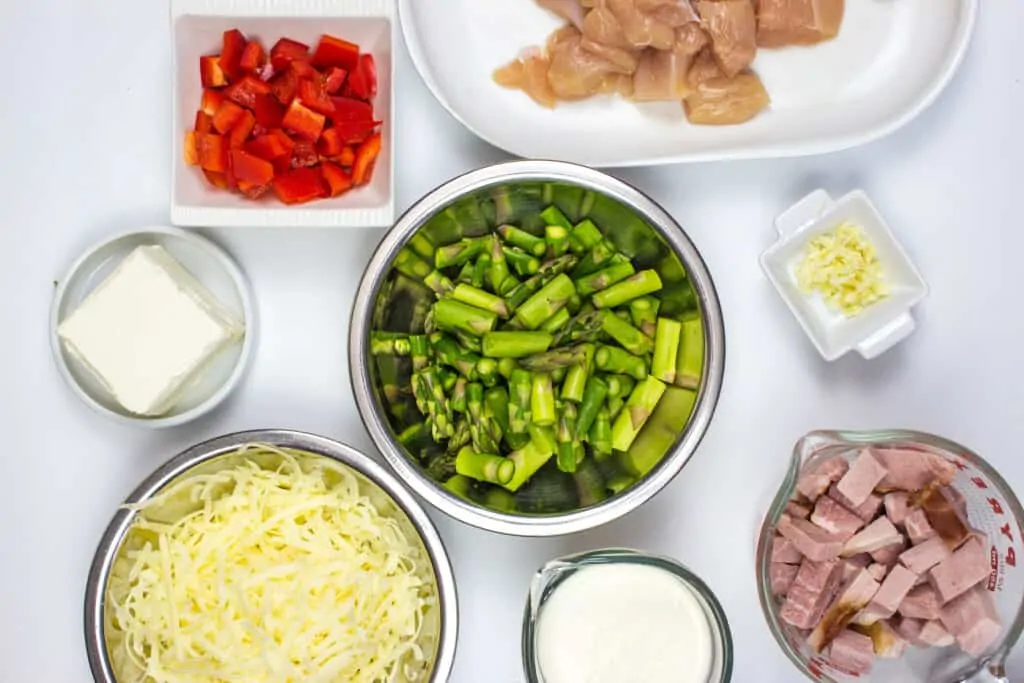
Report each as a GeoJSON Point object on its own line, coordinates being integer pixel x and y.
{"type": "Point", "coordinates": [624, 623]}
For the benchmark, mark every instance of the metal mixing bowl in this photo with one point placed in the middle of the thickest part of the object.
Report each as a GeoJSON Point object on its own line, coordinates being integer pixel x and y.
{"type": "Point", "coordinates": [629, 205]}
{"type": "Point", "coordinates": [389, 496]}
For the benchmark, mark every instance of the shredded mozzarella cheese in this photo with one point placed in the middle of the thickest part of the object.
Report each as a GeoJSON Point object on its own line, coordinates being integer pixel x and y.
{"type": "Point", "coordinates": [282, 575]}
{"type": "Point", "coordinates": [843, 267]}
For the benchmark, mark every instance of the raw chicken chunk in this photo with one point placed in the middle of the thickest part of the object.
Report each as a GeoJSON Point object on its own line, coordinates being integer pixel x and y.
{"type": "Point", "coordinates": [661, 75]}
{"type": "Point", "coordinates": [797, 22]}
{"type": "Point", "coordinates": [531, 76]}
{"type": "Point", "coordinates": [723, 101]}
{"type": "Point", "coordinates": [732, 26]}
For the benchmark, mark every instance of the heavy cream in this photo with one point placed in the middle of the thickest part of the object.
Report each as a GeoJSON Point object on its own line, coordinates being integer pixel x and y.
{"type": "Point", "coordinates": [624, 623]}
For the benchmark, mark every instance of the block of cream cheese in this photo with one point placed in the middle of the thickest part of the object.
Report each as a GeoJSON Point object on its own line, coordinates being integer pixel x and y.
{"type": "Point", "coordinates": [148, 330]}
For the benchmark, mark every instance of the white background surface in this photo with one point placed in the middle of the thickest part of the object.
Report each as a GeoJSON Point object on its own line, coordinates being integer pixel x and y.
{"type": "Point", "coordinates": [84, 132]}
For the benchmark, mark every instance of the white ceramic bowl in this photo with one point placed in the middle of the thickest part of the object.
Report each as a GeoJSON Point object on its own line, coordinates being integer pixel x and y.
{"type": "Point", "coordinates": [197, 29]}
{"type": "Point", "coordinates": [212, 266]}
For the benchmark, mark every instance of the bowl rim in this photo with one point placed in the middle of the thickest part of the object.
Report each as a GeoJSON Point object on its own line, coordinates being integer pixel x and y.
{"type": "Point", "coordinates": [590, 179]}
{"type": "Point", "coordinates": [106, 551]}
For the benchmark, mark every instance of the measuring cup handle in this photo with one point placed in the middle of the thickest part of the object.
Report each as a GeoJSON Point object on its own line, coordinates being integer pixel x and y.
{"type": "Point", "coordinates": [993, 672]}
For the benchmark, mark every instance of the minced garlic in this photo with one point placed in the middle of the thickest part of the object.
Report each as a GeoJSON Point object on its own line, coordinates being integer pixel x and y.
{"type": "Point", "coordinates": [843, 267]}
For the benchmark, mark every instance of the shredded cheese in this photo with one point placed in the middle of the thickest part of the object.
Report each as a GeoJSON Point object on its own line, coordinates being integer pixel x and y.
{"type": "Point", "coordinates": [281, 575]}
{"type": "Point", "coordinates": [843, 267]}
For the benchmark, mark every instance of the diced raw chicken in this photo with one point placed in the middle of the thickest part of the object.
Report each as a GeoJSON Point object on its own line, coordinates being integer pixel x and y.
{"type": "Point", "coordinates": [924, 556]}
{"type": "Point", "coordinates": [661, 75]}
{"type": "Point", "coordinates": [917, 526]}
{"type": "Point", "coordinates": [782, 576]}
{"type": "Point", "coordinates": [674, 13]}
{"type": "Point", "coordinates": [894, 589]}
{"type": "Point", "coordinates": [863, 476]}
{"type": "Point", "coordinates": [815, 481]}
{"type": "Point", "coordinates": [639, 28]}
{"type": "Point", "coordinates": [797, 22]}
{"type": "Point", "coordinates": [879, 534]}
{"type": "Point", "coordinates": [575, 73]}
{"type": "Point", "coordinates": [854, 597]}
{"type": "Point", "coordinates": [810, 593]}
{"type": "Point", "coordinates": [601, 26]}
{"type": "Point", "coordinates": [890, 554]}
{"type": "Point", "coordinates": [973, 621]}
{"type": "Point", "coordinates": [887, 642]}
{"type": "Point", "coordinates": [921, 603]}
{"type": "Point", "coordinates": [722, 101]}
{"type": "Point", "coordinates": [732, 26]}
{"type": "Point", "coordinates": [570, 10]}
{"type": "Point", "coordinates": [691, 38]}
{"type": "Point", "coordinates": [934, 634]}
{"type": "Point", "coordinates": [964, 569]}
{"type": "Point", "coordinates": [625, 61]}
{"type": "Point", "coordinates": [811, 540]}
{"type": "Point", "coordinates": [798, 510]}
{"type": "Point", "coordinates": [531, 76]}
{"type": "Point", "coordinates": [785, 552]}
{"type": "Point", "coordinates": [912, 470]}
{"type": "Point", "coordinates": [852, 652]}
{"type": "Point", "coordinates": [896, 507]}
{"type": "Point", "coordinates": [834, 518]}
{"type": "Point", "coordinates": [944, 516]}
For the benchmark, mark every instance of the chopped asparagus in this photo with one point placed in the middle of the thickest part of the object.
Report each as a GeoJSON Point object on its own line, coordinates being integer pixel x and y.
{"type": "Point", "coordinates": [531, 244]}
{"type": "Point", "coordinates": [499, 272]}
{"type": "Point", "coordinates": [457, 316]}
{"type": "Point", "coordinates": [644, 312]}
{"type": "Point", "coordinates": [619, 385]}
{"type": "Point", "coordinates": [630, 338]}
{"type": "Point", "coordinates": [602, 279]}
{"type": "Point", "coordinates": [643, 283]}
{"type": "Point", "coordinates": [690, 358]}
{"type": "Point", "coordinates": [493, 469]}
{"type": "Point", "coordinates": [527, 460]}
{"type": "Point", "coordinates": [638, 410]}
{"type": "Point", "coordinates": [523, 263]}
{"type": "Point", "coordinates": [422, 246]}
{"type": "Point", "coordinates": [587, 234]}
{"type": "Point", "coordinates": [545, 303]}
{"type": "Point", "coordinates": [481, 299]}
{"type": "Point", "coordinates": [666, 349]}
{"type": "Point", "coordinates": [392, 343]}
{"type": "Point", "coordinates": [565, 357]}
{"type": "Point", "coordinates": [600, 436]}
{"type": "Point", "coordinates": [459, 486]}
{"type": "Point", "coordinates": [557, 238]}
{"type": "Point", "coordinates": [419, 349]}
{"type": "Point", "coordinates": [565, 436]}
{"type": "Point", "coordinates": [553, 216]}
{"type": "Point", "coordinates": [557, 321]}
{"type": "Point", "coordinates": [542, 400]}
{"type": "Point", "coordinates": [614, 359]}
{"type": "Point", "coordinates": [515, 344]}
{"type": "Point", "coordinates": [576, 376]}
{"type": "Point", "coordinates": [661, 432]}
{"type": "Point", "coordinates": [458, 253]}
{"type": "Point", "coordinates": [411, 265]}
{"type": "Point", "coordinates": [593, 399]}
{"type": "Point", "coordinates": [520, 394]}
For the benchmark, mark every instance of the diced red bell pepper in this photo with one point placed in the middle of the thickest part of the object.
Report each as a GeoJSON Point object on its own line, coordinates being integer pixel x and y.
{"type": "Point", "coordinates": [354, 132]}
{"type": "Point", "coordinates": [338, 181]}
{"type": "Point", "coordinates": [191, 148]}
{"type": "Point", "coordinates": [303, 69]}
{"type": "Point", "coordinates": [330, 144]}
{"type": "Point", "coordinates": [271, 146]}
{"type": "Point", "coordinates": [285, 51]}
{"type": "Point", "coordinates": [336, 52]}
{"type": "Point", "coordinates": [241, 131]}
{"type": "Point", "coordinates": [212, 99]}
{"type": "Point", "coordinates": [333, 79]}
{"type": "Point", "coordinates": [210, 72]}
{"type": "Point", "coordinates": [217, 179]}
{"type": "Point", "coordinates": [212, 152]}
{"type": "Point", "coordinates": [253, 57]}
{"type": "Point", "coordinates": [347, 157]}
{"type": "Point", "coordinates": [245, 90]}
{"type": "Point", "coordinates": [305, 122]}
{"type": "Point", "coordinates": [251, 168]}
{"type": "Point", "coordinates": [231, 53]}
{"type": "Point", "coordinates": [204, 122]}
{"type": "Point", "coordinates": [304, 154]}
{"type": "Point", "coordinates": [226, 117]}
{"type": "Point", "coordinates": [282, 165]}
{"type": "Point", "coordinates": [362, 82]}
{"type": "Point", "coordinates": [349, 109]}
{"type": "Point", "coordinates": [252, 190]}
{"type": "Point", "coordinates": [313, 95]}
{"type": "Point", "coordinates": [299, 186]}
{"type": "Point", "coordinates": [285, 87]}
{"type": "Point", "coordinates": [366, 159]}
{"type": "Point", "coordinates": [269, 112]}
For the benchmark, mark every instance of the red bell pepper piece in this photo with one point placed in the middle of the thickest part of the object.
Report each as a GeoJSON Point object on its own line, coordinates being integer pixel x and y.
{"type": "Point", "coordinates": [191, 148]}
{"type": "Point", "coordinates": [336, 52]}
{"type": "Point", "coordinates": [333, 79]}
{"type": "Point", "coordinates": [354, 132]}
{"type": "Point", "coordinates": [366, 159]}
{"type": "Point", "coordinates": [299, 186]}
{"type": "Point", "coordinates": [304, 154]}
{"type": "Point", "coordinates": [285, 51]}
{"type": "Point", "coordinates": [210, 72]}
{"type": "Point", "coordinates": [285, 87]}
{"type": "Point", "coordinates": [241, 131]}
{"type": "Point", "coordinates": [338, 181]}
{"type": "Point", "coordinates": [305, 122]}
{"type": "Point", "coordinates": [231, 53]}
{"type": "Point", "coordinates": [227, 116]}
{"type": "Point", "coordinates": [313, 95]}
{"type": "Point", "coordinates": [217, 179]}
{"type": "Point", "coordinates": [271, 146]}
{"type": "Point", "coordinates": [349, 109]}
{"type": "Point", "coordinates": [245, 90]}
{"type": "Point", "coordinates": [251, 168]}
{"type": "Point", "coordinates": [303, 69]}
{"type": "Point", "coordinates": [330, 144]}
{"type": "Point", "coordinates": [362, 82]}
{"type": "Point", "coordinates": [253, 57]}
{"type": "Point", "coordinates": [347, 157]}
{"type": "Point", "coordinates": [212, 151]}
{"type": "Point", "coordinates": [269, 112]}
{"type": "Point", "coordinates": [212, 99]}
{"type": "Point", "coordinates": [252, 190]}
{"type": "Point", "coordinates": [204, 122]}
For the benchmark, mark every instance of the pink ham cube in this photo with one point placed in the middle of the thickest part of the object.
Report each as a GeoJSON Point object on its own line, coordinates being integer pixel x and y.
{"type": "Point", "coordinates": [894, 589]}
{"type": "Point", "coordinates": [973, 621]}
{"type": "Point", "coordinates": [852, 652]}
{"type": "Point", "coordinates": [942, 508]}
{"type": "Point", "coordinates": [896, 508]}
{"type": "Point", "coordinates": [854, 597]}
{"type": "Point", "coordinates": [861, 479]}
{"type": "Point", "coordinates": [878, 571]}
{"type": "Point", "coordinates": [784, 551]}
{"type": "Point", "coordinates": [810, 593]}
{"type": "Point", "coordinates": [887, 642]}
{"type": "Point", "coordinates": [875, 536]}
{"type": "Point", "coordinates": [782, 576]}
{"type": "Point", "coordinates": [810, 539]}
{"type": "Point", "coordinates": [923, 557]}
{"type": "Point", "coordinates": [798, 509]}
{"type": "Point", "coordinates": [917, 526]}
{"type": "Point", "coordinates": [921, 603]}
{"type": "Point", "coordinates": [964, 569]}
{"type": "Point", "coordinates": [816, 480]}
{"type": "Point", "coordinates": [835, 519]}
{"type": "Point", "coordinates": [908, 628]}
{"type": "Point", "coordinates": [913, 470]}
{"type": "Point", "coordinates": [934, 634]}
{"type": "Point", "coordinates": [890, 553]}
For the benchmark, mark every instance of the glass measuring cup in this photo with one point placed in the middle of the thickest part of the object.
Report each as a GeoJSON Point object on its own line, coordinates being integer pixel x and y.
{"type": "Point", "coordinates": [993, 510]}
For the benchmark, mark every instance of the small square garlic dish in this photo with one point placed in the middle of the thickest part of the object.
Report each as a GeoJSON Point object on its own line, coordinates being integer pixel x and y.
{"type": "Point", "coordinates": [880, 325]}
{"type": "Point", "coordinates": [198, 28]}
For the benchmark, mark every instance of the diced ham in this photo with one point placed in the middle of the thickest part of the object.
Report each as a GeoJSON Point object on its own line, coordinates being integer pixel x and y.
{"type": "Point", "coordinates": [811, 540]}
{"type": "Point", "coordinates": [852, 652]}
{"type": "Point", "coordinates": [810, 593]}
{"type": "Point", "coordinates": [908, 628]}
{"type": "Point", "coordinates": [864, 474]}
{"type": "Point", "coordinates": [815, 481]}
{"type": "Point", "coordinates": [896, 508]}
{"type": "Point", "coordinates": [835, 519]}
{"type": "Point", "coordinates": [934, 634]}
{"type": "Point", "coordinates": [879, 534]}
{"type": "Point", "coordinates": [782, 577]}
{"type": "Point", "coordinates": [913, 470]}
{"type": "Point", "coordinates": [784, 552]}
{"type": "Point", "coordinates": [973, 621]}
{"type": "Point", "coordinates": [798, 510]}
{"type": "Point", "coordinates": [942, 510]}
{"type": "Point", "coordinates": [917, 526]}
{"type": "Point", "coordinates": [924, 556]}
{"type": "Point", "coordinates": [732, 26]}
{"type": "Point", "coordinates": [854, 597]}
{"type": "Point", "coordinates": [964, 569]}
{"type": "Point", "coordinates": [870, 508]}
{"type": "Point", "coordinates": [797, 22]}
{"type": "Point", "coordinates": [890, 553]}
{"type": "Point", "coordinates": [887, 642]}
{"type": "Point", "coordinates": [878, 571]}
{"type": "Point", "coordinates": [921, 603]}
{"type": "Point", "coordinates": [894, 589]}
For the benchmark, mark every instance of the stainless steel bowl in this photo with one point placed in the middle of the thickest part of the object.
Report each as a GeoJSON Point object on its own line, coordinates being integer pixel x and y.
{"type": "Point", "coordinates": [636, 207]}
{"type": "Point", "coordinates": [216, 454]}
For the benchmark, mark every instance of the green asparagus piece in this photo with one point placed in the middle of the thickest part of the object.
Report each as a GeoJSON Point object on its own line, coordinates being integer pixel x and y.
{"type": "Point", "coordinates": [593, 400]}
{"type": "Point", "coordinates": [661, 432]}
{"type": "Point", "coordinates": [389, 343]}
{"type": "Point", "coordinates": [478, 427]}
{"type": "Point", "coordinates": [552, 216]}
{"type": "Point", "coordinates": [587, 234]}
{"type": "Point", "coordinates": [422, 246]}
{"type": "Point", "coordinates": [465, 275]}
{"type": "Point", "coordinates": [619, 385]}
{"type": "Point", "coordinates": [542, 400]}
{"type": "Point", "coordinates": [620, 483]}
{"type": "Point", "coordinates": [481, 299]}
{"type": "Point", "coordinates": [604, 278]}
{"type": "Point", "coordinates": [666, 349]}
{"type": "Point", "coordinates": [548, 271]}
{"type": "Point", "coordinates": [644, 312]}
{"type": "Point", "coordinates": [492, 469]}
{"type": "Point", "coordinates": [419, 349]}
{"type": "Point", "coordinates": [576, 376]}
{"type": "Point", "coordinates": [643, 283]}
{"type": "Point", "coordinates": [457, 316]}
{"type": "Point", "coordinates": [458, 397]}
{"type": "Point", "coordinates": [615, 406]}
{"type": "Point", "coordinates": [585, 327]}
{"type": "Point", "coordinates": [520, 393]}
{"type": "Point", "coordinates": [598, 257]}
{"type": "Point", "coordinates": [565, 436]}
{"type": "Point", "coordinates": [409, 264]}
{"type": "Point", "coordinates": [480, 270]}
{"type": "Point", "coordinates": [528, 460]}
{"type": "Point", "coordinates": [469, 342]}
{"type": "Point", "coordinates": [545, 303]}
{"type": "Point", "coordinates": [523, 263]}
{"type": "Point", "coordinates": [461, 436]}
{"type": "Point", "coordinates": [506, 366]}
{"type": "Point", "coordinates": [690, 358]}
{"type": "Point", "coordinates": [415, 436]}
{"type": "Point", "coordinates": [499, 266]}
{"type": "Point", "coordinates": [435, 404]}
{"type": "Point", "coordinates": [638, 410]}
{"type": "Point", "coordinates": [531, 244]}
{"type": "Point", "coordinates": [590, 485]}
{"type": "Point", "coordinates": [451, 354]}
{"type": "Point", "coordinates": [557, 321]}
{"type": "Point", "coordinates": [600, 435]}
{"type": "Point", "coordinates": [544, 437]}
{"type": "Point", "coordinates": [630, 338]}
{"type": "Point", "coordinates": [508, 285]}
{"type": "Point", "coordinates": [440, 283]}
{"type": "Point", "coordinates": [487, 371]}
{"type": "Point", "coordinates": [557, 375]}
{"type": "Point", "coordinates": [500, 500]}
{"type": "Point", "coordinates": [496, 402]}
{"type": "Point", "coordinates": [459, 486]}
{"type": "Point", "coordinates": [448, 379]}
{"type": "Point", "coordinates": [515, 344]}
{"type": "Point", "coordinates": [614, 359]}
{"type": "Point", "coordinates": [574, 304]}
{"type": "Point", "coordinates": [565, 357]}
{"type": "Point", "coordinates": [460, 252]}
{"type": "Point", "coordinates": [623, 315]}
{"type": "Point", "coordinates": [557, 238]}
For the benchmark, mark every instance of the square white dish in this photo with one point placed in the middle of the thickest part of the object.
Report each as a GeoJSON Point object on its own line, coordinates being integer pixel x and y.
{"type": "Point", "coordinates": [197, 27]}
{"type": "Point", "coordinates": [878, 327]}
{"type": "Point", "coordinates": [888, 64]}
